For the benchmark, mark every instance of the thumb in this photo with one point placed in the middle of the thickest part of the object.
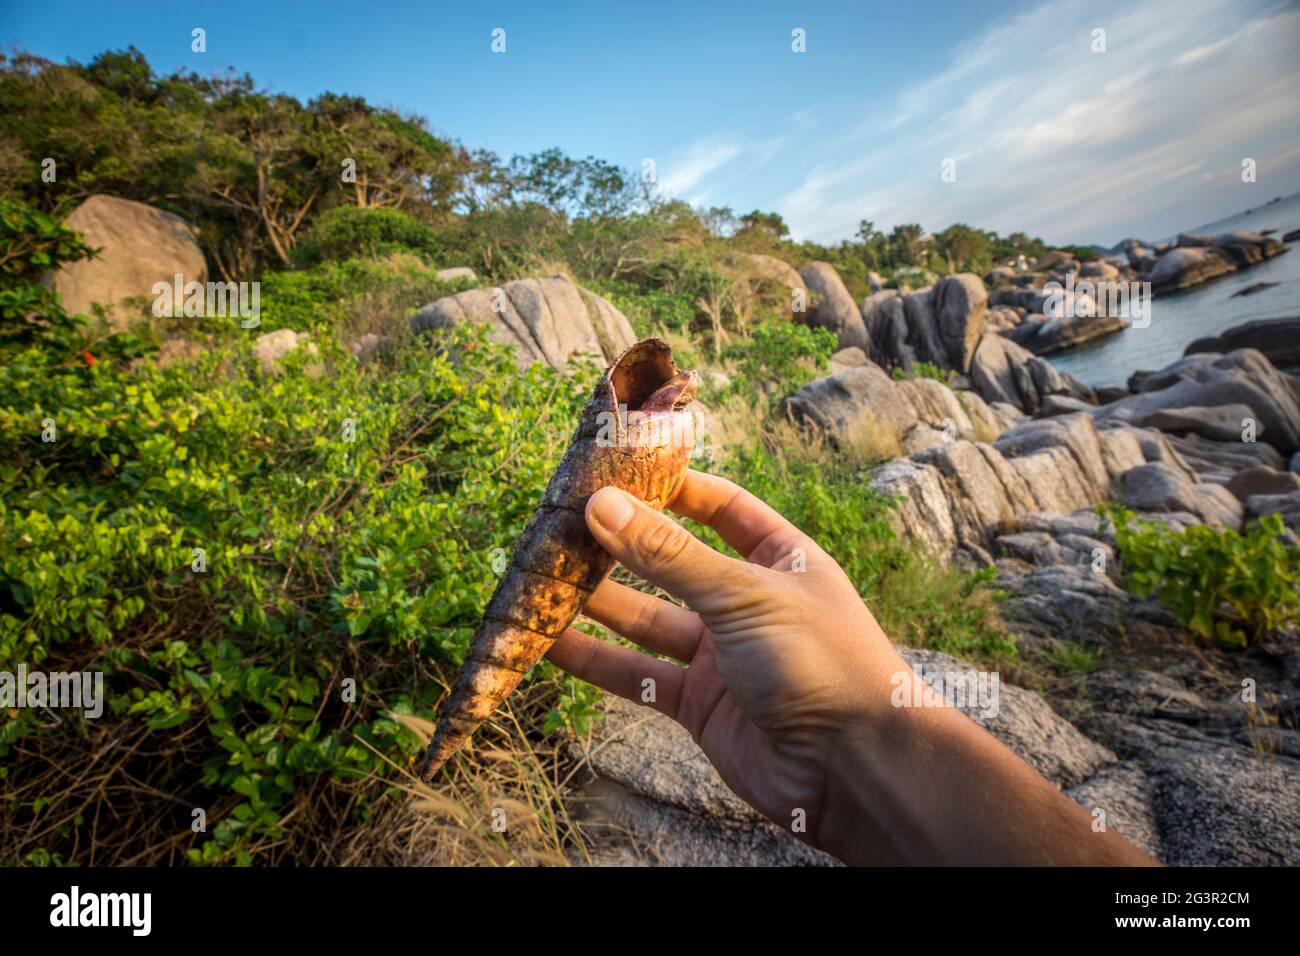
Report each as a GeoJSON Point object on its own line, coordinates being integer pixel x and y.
{"type": "Point", "coordinates": [653, 546]}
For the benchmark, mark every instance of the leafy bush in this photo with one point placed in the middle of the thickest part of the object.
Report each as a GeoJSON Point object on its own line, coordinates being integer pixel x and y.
{"type": "Point", "coordinates": [31, 244]}
{"type": "Point", "coordinates": [650, 311]}
{"type": "Point", "coordinates": [925, 370]}
{"type": "Point", "coordinates": [350, 232]}
{"type": "Point", "coordinates": [1229, 587]}
{"type": "Point", "coordinates": [787, 355]}
{"type": "Point", "coordinates": [214, 542]}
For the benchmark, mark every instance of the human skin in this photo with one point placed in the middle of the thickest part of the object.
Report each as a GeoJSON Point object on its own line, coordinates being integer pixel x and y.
{"type": "Point", "coordinates": [787, 686]}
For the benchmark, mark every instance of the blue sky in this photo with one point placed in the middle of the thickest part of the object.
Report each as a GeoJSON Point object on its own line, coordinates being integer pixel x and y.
{"type": "Point", "coordinates": [1047, 136]}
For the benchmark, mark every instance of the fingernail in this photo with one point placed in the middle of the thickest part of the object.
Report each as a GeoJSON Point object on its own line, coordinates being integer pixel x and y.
{"type": "Point", "coordinates": [612, 509]}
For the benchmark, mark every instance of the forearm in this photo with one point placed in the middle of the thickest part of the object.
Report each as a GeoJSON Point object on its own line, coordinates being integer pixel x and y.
{"type": "Point", "coordinates": [929, 786]}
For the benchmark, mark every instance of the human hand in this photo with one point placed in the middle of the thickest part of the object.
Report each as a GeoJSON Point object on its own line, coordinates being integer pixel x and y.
{"type": "Point", "coordinates": [782, 655]}
{"type": "Point", "coordinates": [788, 689]}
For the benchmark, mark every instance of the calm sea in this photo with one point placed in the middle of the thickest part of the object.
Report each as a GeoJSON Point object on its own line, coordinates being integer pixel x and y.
{"type": "Point", "coordinates": [1177, 320]}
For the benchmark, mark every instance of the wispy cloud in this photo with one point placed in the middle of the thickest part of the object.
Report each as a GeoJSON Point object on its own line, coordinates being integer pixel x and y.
{"type": "Point", "coordinates": [1056, 139]}
{"type": "Point", "coordinates": [679, 175]}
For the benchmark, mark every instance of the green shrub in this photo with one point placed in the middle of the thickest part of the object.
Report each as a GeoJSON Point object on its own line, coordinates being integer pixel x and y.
{"type": "Point", "coordinates": [650, 311]}
{"type": "Point", "coordinates": [322, 559]}
{"type": "Point", "coordinates": [925, 370]}
{"type": "Point", "coordinates": [31, 244]}
{"type": "Point", "coordinates": [350, 232]}
{"type": "Point", "coordinates": [786, 354]}
{"type": "Point", "coordinates": [1229, 587]}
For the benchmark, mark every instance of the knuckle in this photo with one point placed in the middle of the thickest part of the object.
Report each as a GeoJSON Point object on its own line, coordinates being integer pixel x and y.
{"type": "Point", "coordinates": [662, 542]}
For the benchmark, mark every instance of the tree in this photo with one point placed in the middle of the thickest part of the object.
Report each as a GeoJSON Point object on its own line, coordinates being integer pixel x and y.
{"type": "Point", "coordinates": [579, 188]}
{"type": "Point", "coordinates": [966, 249]}
{"type": "Point", "coordinates": [767, 223]}
{"type": "Point", "coordinates": [874, 246]}
{"type": "Point", "coordinates": [905, 246]}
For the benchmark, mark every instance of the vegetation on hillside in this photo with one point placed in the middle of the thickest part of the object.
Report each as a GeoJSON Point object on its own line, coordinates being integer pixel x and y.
{"type": "Point", "coordinates": [278, 573]}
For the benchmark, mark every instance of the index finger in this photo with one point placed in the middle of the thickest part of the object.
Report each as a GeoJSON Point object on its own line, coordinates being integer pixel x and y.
{"type": "Point", "coordinates": [744, 521]}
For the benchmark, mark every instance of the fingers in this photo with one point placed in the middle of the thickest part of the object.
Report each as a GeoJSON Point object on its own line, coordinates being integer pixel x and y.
{"type": "Point", "coordinates": [756, 530]}
{"type": "Point", "coordinates": [619, 670]}
{"type": "Point", "coordinates": [653, 623]}
{"type": "Point", "coordinates": [653, 546]}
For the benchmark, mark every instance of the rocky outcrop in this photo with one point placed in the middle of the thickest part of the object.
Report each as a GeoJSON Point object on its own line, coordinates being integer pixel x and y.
{"type": "Point", "coordinates": [649, 795]}
{"type": "Point", "coordinates": [961, 496]}
{"type": "Point", "coordinates": [859, 401]}
{"type": "Point", "coordinates": [138, 247]}
{"type": "Point", "coordinates": [1042, 335]}
{"type": "Point", "coordinates": [1003, 371]}
{"type": "Point", "coordinates": [270, 349]}
{"type": "Point", "coordinates": [544, 320]}
{"type": "Point", "coordinates": [1196, 259]}
{"type": "Point", "coordinates": [941, 324]}
{"type": "Point", "coordinates": [1206, 380]}
{"type": "Point", "coordinates": [1157, 486]}
{"type": "Point", "coordinates": [836, 310]}
{"type": "Point", "coordinates": [1277, 339]}
{"type": "Point", "coordinates": [456, 272]}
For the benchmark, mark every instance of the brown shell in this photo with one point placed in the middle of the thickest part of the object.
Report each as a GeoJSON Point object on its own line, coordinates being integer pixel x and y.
{"type": "Point", "coordinates": [557, 563]}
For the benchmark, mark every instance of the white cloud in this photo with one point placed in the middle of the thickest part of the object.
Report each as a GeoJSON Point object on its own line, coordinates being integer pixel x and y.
{"type": "Point", "coordinates": [699, 160]}
{"type": "Point", "coordinates": [1057, 140]}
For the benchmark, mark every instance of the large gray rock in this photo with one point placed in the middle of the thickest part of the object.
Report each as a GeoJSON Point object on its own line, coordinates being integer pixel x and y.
{"type": "Point", "coordinates": [1065, 331]}
{"type": "Point", "coordinates": [860, 402]}
{"type": "Point", "coordinates": [1003, 371]}
{"type": "Point", "coordinates": [836, 310]}
{"type": "Point", "coordinates": [653, 797]}
{"type": "Point", "coordinates": [1262, 480]}
{"type": "Point", "coordinates": [543, 320]}
{"type": "Point", "coordinates": [959, 303]}
{"type": "Point", "coordinates": [1184, 267]}
{"type": "Point", "coordinates": [138, 246]}
{"type": "Point", "coordinates": [885, 319]}
{"type": "Point", "coordinates": [1158, 487]}
{"type": "Point", "coordinates": [1277, 339]}
{"type": "Point", "coordinates": [1219, 423]}
{"type": "Point", "coordinates": [1023, 722]}
{"type": "Point", "coordinates": [840, 403]}
{"type": "Point", "coordinates": [1244, 377]}
{"type": "Point", "coordinates": [1199, 258]}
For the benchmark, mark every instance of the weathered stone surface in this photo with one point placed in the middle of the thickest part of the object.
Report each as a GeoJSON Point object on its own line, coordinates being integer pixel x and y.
{"type": "Point", "coordinates": [270, 348]}
{"type": "Point", "coordinates": [1122, 793]}
{"type": "Point", "coordinates": [1025, 724]}
{"type": "Point", "coordinates": [456, 272]}
{"type": "Point", "coordinates": [1243, 377]}
{"type": "Point", "coordinates": [544, 320]}
{"type": "Point", "coordinates": [1002, 371]}
{"type": "Point", "coordinates": [1219, 461]}
{"type": "Point", "coordinates": [1262, 480]}
{"type": "Point", "coordinates": [1277, 339]}
{"type": "Point", "coordinates": [655, 798]}
{"type": "Point", "coordinates": [1184, 267]}
{"type": "Point", "coordinates": [1220, 423]}
{"type": "Point", "coordinates": [836, 310]}
{"type": "Point", "coordinates": [959, 303]}
{"type": "Point", "coordinates": [1158, 487]}
{"type": "Point", "coordinates": [844, 359]}
{"type": "Point", "coordinates": [138, 246]}
{"type": "Point", "coordinates": [837, 403]}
